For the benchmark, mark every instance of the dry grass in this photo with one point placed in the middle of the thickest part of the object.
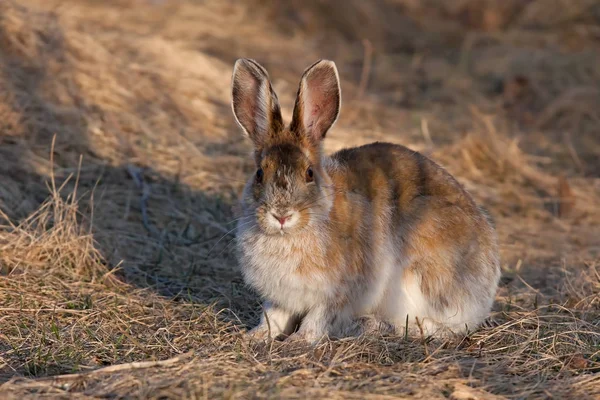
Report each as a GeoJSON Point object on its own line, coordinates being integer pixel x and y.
{"type": "Point", "coordinates": [121, 164]}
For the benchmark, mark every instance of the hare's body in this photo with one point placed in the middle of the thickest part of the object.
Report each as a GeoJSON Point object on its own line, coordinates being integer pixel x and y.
{"type": "Point", "coordinates": [376, 230]}
{"type": "Point", "coordinates": [402, 239]}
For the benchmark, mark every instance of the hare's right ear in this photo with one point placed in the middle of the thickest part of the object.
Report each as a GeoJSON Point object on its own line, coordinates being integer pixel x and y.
{"type": "Point", "coordinates": [254, 102]}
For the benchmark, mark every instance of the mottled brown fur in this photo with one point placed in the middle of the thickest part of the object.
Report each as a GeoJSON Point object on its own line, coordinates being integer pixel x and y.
{"type": "Point", "coordinates": [378, 204]}
{"type": "Point", "coordinates": [431, 208]}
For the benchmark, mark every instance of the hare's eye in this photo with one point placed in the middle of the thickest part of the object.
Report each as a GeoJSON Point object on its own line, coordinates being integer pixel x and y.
{"type": "Point", "coordinates": [309, 175]}
{"type": "Point", "coordinates": [259, 175]}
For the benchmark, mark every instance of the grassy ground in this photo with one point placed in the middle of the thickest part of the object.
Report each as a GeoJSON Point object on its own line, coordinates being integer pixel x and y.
{"type": "Point", "coordinates": [120, 165]}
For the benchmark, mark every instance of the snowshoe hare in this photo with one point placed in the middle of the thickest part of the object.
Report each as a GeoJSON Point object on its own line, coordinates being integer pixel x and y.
{"type": "Point", "coordinates": [377, 230]}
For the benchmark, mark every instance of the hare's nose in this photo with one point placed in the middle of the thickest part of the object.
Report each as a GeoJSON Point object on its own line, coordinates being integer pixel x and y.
{"type": "Point", "coordinates": [281, 219]}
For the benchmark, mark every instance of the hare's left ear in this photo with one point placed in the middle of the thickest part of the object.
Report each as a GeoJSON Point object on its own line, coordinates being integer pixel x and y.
{"type": "Point", "coordinates": [318, 102]}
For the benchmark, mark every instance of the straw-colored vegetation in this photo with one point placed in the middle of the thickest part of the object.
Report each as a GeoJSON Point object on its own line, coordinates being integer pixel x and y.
{"type": "Point", "coordinates": [120, 165]}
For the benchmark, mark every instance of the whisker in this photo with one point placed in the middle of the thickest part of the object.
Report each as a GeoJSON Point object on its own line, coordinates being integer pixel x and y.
{"type": "Point", "coordinates": [313, 214]}
{"type": "Point", "coordinates": [306, 206]}
{"type": "Point", "coordinates": [237, 219]}
{"type": "Point", "coordinates": [226, 246]}
{"type": "Point", "coordinates": [224, 235]}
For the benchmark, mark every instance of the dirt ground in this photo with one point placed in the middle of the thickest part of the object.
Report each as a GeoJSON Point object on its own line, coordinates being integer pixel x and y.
{"type": "Point", "coordinates": [121, 164]}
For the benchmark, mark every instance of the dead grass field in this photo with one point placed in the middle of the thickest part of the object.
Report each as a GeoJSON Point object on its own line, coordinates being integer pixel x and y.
{"type": "Point", "coordinates": [120, 165]}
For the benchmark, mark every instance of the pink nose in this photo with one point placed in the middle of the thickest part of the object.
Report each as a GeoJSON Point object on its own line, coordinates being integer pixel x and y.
{"type": "Point", "coordinates": [281, 219]}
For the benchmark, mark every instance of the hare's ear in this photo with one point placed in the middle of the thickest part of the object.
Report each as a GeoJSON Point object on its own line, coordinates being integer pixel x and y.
{"type": "Point", "coordinates": [318, 102]}
{"type": "Point", "coordinates": [254, 102]}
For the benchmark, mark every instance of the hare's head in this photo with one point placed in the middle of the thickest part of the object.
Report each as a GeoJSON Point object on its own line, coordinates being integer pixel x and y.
{"type": "Point", "coordinates": [289, 188]}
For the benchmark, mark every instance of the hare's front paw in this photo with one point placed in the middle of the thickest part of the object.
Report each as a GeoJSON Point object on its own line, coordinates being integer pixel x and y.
{"type": "Point", "coordinates": [307, 335]}
{"type": "Point", "coordinates": [274, 323]}
{"type": "Point", "coordinates": [315, 327]}
{"type": "Point", "coordinates": [259, 332]}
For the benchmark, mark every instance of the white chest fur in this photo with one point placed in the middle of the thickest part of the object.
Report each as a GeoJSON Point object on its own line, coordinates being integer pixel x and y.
{"type": "Point", "coordinates": [271, 265]}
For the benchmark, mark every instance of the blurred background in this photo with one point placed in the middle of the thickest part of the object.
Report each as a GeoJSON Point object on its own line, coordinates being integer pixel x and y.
{"type": "Point", "coordinates": [129, 102]}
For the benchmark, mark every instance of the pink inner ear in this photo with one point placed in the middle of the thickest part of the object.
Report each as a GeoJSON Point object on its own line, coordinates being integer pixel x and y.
{"type": "Point", "coordinates": [321, 99]}
{"type": "Point", "coordinates": [251, 102]}
{"type": "Point", "coordinates": [316, 109]}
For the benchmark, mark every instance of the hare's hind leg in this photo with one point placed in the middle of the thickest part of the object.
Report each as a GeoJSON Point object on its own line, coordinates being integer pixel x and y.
{"type": "Point", "coordinates": [406, 308]}
{"type": "Point", "coordinates": [443, 303]}
{"type": "Point", "coordinates": [422, 308]}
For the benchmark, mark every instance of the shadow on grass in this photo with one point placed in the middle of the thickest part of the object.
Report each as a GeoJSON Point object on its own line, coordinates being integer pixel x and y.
{"type": "Point", "coordinates": [159, 233]}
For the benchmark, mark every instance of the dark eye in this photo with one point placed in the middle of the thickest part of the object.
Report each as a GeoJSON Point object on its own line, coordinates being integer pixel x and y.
{"type": "Point", "coordinates": [309, 175]}
{"type": "Point", "coordinates": [259, 175]}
